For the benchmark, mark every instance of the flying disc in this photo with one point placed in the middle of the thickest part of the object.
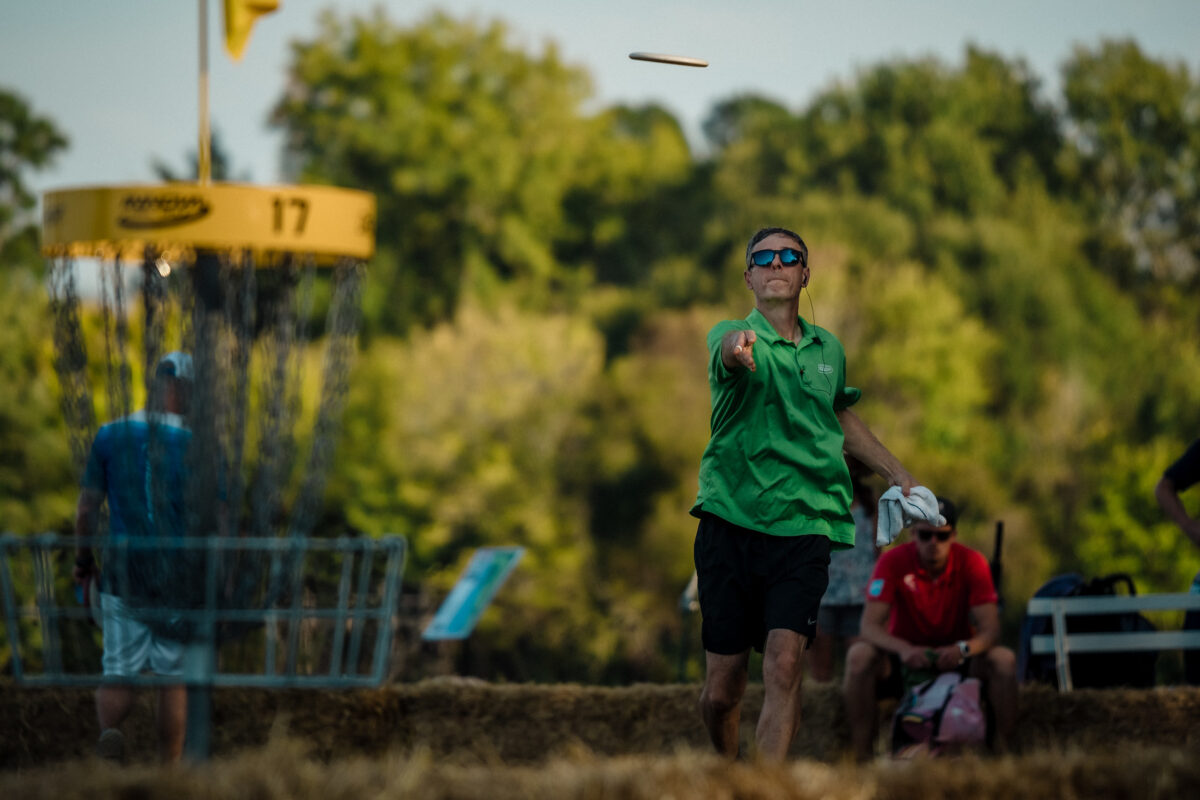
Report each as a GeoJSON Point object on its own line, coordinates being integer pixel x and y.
{"type": "Point", "coordinates": [664, 58]}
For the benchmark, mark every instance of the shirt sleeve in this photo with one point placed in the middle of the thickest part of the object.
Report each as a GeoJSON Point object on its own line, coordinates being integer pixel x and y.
{"type": "Point", "coordinates": [882, 586]}
{"type": "Point", "coordinates": [93, 472]}
{"type": "Point", "coordinates": [716, 366]}
{"type": "Point", "coordinates": [1185, 472]}
{"type": "Point", "coordinates": [846, 396]}
{"type": "Point", "coordinates": [980, 589]}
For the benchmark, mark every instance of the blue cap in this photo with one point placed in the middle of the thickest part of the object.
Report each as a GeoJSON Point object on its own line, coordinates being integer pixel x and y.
{"type": "Point", "coordinates": [175, 365]}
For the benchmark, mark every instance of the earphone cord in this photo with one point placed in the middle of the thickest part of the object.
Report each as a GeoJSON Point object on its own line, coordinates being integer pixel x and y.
{"type": "Point", "coordinates": [812, 316]}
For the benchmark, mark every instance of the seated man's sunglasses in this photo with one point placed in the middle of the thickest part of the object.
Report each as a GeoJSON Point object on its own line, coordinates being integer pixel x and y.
{"type": "Point", "coordinates": [787, 256]}
{"type": "Point", "coordinates": [925, 534]}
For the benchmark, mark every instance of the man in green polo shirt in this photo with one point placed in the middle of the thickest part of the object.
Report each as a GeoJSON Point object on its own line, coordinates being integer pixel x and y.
{"type": "Point", "coordinates": [774, 493]}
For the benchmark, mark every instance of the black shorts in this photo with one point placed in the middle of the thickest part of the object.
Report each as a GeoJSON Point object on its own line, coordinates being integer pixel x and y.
{"type": "Point", "coordinates": [894, 684]}
{"type": "Point", "coordinates": [751, 583]}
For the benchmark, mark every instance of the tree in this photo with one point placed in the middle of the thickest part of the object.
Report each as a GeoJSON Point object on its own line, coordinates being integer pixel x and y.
{"type": "Point", "coordinates": [634, 200]}
{"type": "Point", "coordinates": [460, 439]}
{"type": "Point", "coordinates": [27, 141]}
{"type": "Point", "coordinates": [951, 194]}
{"type": "Point", "coordinates": [222, 165]}
{"type": "Point", "coordinates": [467, 142]}
{"type": "Point", "coordinates": [36, 485]}
{"type": "Point", "coordinates": [1135, 151]}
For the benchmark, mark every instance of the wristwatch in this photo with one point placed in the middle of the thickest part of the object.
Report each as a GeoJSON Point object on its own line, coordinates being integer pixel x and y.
{"type": "Point", "coordinates": [963, 648]}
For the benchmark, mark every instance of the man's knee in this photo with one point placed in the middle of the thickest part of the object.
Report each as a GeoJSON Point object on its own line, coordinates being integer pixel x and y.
{"type": "Point", "coordinates": [863, 660]}
{"type": "Point", "coordinates": [783, 661]}
{"type": "Point", "coordinates": [721, 697]}
{"type": "Point", "coordinates": [1000, 663]}
{"type": "Point", "coordinates": [724, 685]}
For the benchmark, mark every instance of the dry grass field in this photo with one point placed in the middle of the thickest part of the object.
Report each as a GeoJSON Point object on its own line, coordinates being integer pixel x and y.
{"type": "Point", "coordinates": [466, 739]}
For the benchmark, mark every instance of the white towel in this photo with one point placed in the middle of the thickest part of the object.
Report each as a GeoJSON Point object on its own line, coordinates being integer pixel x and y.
{"type": "Point", "coordinates": [897, 512]}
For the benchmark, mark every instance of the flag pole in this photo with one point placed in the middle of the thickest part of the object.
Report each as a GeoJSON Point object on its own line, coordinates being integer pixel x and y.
{"type": "Point", "coordinates": [204, 152]}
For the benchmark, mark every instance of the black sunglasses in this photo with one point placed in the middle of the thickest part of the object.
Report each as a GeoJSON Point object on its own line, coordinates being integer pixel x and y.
{"type": "Point", "coordinates": [925, 534]}
{"type": "Point", "coordinates": [787, 256]}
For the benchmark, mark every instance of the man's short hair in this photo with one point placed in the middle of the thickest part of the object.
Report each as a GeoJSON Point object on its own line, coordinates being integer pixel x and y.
{"type": "Point", "coordinates": [949, 510]}
{"type": "Point", "coordinates": [176, 365]}
{"type": "Point", "coordinates": [765, 232]}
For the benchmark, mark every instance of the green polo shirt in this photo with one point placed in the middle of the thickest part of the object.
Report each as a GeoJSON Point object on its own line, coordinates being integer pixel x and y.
{"type": "Point", "coordinates": [774, 463]}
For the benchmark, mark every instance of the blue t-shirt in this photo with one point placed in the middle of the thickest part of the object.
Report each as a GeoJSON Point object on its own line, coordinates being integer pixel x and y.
{"type": "Point", "coordinates": [139, 463]}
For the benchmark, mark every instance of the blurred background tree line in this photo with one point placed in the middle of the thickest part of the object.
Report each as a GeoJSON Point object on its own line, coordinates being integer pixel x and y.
{"type": "Point", "coordinates": [1014, 277]}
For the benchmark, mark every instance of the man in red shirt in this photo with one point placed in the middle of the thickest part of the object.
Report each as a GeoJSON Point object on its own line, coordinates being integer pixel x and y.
{"type": "Point", "coordinates": [930, 606]}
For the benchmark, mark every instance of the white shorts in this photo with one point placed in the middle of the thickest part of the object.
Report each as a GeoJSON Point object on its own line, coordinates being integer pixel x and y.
{"type": "Point", "coordinates": [131, 648]}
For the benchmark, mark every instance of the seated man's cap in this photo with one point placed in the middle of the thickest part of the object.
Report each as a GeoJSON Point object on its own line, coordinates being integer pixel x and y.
{"type": "Point", "coordinates": [175, 365]}
{"type": "Point", "coordinates": [948, 510]}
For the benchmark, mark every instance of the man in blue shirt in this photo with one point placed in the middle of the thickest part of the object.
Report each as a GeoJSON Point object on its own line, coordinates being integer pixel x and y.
{"type": "Point", "coordinates": [139, 465]}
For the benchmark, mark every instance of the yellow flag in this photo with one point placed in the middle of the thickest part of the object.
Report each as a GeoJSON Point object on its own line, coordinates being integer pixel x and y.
{"type": "Point", "coordinates": [240, 16]}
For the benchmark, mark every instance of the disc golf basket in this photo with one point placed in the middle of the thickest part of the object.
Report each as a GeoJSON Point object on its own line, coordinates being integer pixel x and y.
{"type": "Point", "coordinates": [278, 612]}
{"type": "Point", "coordinates": [257, 284]}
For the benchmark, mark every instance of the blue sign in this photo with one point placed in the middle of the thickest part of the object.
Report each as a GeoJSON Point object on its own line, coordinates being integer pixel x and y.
{"type": "Point", "coordinates": [488, 568]}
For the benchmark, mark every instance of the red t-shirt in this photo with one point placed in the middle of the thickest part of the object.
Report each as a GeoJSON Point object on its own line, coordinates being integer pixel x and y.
{"type": "Point", "coordinates": [928, 611]}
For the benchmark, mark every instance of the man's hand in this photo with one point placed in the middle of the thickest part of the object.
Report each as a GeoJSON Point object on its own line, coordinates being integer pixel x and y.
{"type": "Point", "coordinates": [87, 511]}
{"type": "Point", "coordinates": [85, 567]}
{"type": "Point", "coordinates": [905, 481]}
{"type": "Point", "coordinates": [948, 657]}
{"type": "Point", "coordinates": [916, 657]}
{"type": "Point", "coordinates": [737, 350]}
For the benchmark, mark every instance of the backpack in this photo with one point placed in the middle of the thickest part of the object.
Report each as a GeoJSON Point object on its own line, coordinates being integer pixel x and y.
{"type": "Point", "coordinates": [943, 715]}
{"type": "Point", "coordinates": [1088, 670]}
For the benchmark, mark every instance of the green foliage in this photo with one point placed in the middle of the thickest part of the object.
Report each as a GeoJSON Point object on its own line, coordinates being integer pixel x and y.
{"type": "Point", "coordinates": [220, 169]}
{"type": "Point", "coordinates": [1123, 529]}
{"type": "Point", "coordinates": [37, 483]}
{"type": "Point", "coordinates": [1136, 149]}
{"type": "Point", "coordinates": [36, 490]}
{"type": "Point", "coordinates": [466, 427]}
{"type": "Point", "coordinates": [27, 141]}
{"type": "Point", "coordinates": [467, 142]}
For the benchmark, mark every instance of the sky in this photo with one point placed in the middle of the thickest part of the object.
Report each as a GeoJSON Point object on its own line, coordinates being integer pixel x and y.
{"type": "Point", "coordinates": [120, 77]}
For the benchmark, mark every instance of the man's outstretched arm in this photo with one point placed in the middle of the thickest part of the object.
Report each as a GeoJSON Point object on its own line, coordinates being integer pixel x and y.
{"type": "Point", "coordinates": [863, 445]}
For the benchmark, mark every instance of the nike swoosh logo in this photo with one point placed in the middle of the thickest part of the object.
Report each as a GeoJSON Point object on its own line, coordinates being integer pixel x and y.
{"type": "Point", "coordinates": [812, 622]}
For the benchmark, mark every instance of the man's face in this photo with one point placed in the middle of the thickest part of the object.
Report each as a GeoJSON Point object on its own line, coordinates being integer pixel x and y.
{"type": "Point", "coordinates": [776, 281]}
{"type": "Point", "coordinates": [933, 544]}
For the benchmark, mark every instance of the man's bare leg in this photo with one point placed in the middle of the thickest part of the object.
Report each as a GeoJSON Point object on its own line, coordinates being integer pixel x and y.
{"type": "Point", "coordinates": [721, 699]}
{"type": "Point", "coordinates": [112, 705]}
{"type": "Point", "coordinates": [172, 722]}
{"type": "Point", "coordinates": [782, 678]}
{"type": "Point", "coordinates": [864, 664]}
{"type": "Point", "coordinates": [999, 668]}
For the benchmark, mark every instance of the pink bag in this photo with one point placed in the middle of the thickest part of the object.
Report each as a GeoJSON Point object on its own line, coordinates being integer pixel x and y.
{"type": "Point", "coordinates": [942, 715]}
{"type": "Point", "coordinates": [964, 723]}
